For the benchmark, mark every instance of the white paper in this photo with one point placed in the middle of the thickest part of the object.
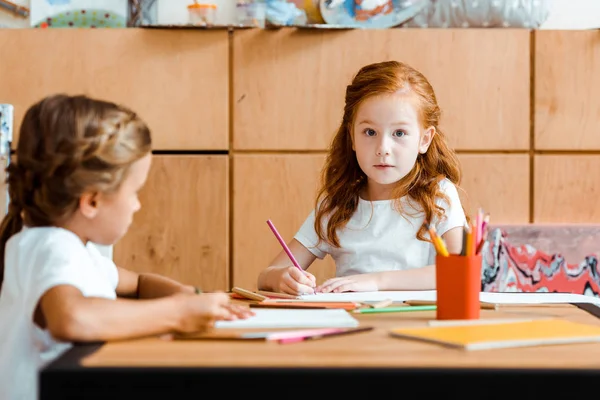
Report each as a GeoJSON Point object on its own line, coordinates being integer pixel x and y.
{"type": "Point", "coordinates": [372, 296]}
{"type": "Point", "coordinates": [430, 295]}
{"type": "Point", "coordinates": [290, 318]}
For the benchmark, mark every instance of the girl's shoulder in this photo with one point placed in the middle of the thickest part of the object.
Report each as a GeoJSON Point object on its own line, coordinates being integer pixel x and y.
{"type": "Point", "coordinates": [446, 185]}
{"type": "Point", "coordinates": [45, 237]}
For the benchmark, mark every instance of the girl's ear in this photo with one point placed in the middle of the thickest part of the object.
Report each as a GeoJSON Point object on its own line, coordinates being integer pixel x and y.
{"type": "Point", "coordinates": [426, 139]}
{"type": "Point", "coordinates": [88, 204]}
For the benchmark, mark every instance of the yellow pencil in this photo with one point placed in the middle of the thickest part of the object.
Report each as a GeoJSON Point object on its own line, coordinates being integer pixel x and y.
{"type": "Point", "coordinates": [438, 242]}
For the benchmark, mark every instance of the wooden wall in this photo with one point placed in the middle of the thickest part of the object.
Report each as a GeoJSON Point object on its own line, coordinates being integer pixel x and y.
{"type": "Point", "coordinates": [241, 122]}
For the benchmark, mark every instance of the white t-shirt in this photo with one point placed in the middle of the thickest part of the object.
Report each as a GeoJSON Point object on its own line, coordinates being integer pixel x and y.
{"type": "Point", "coordinates": [37, 259]}
{"type": "Point", "coordinates": [378, 238]}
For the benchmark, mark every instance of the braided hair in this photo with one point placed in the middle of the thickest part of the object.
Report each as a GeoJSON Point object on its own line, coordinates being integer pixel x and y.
{"type": "Point", "coordinates": [68, 145]}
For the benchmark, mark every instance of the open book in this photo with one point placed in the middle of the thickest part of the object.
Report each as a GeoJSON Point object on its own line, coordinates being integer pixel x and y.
{"type": "Point", "coordinates": [503, 334]}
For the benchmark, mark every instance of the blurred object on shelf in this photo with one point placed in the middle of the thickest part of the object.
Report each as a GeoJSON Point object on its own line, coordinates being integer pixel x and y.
{"type": "Point", "coordinates": [10, 19]}
{"type": "Point", "coordinates": [79, 13]}
{"type": "Point", "coordinates": [573, 14]}
{"type": "Point", "coordinates": [6, 137]}
{"type": "Point", "coordinates": [202, 14]}
{"type": "Point", "coordinates": [141, 12]}
{"type": "Point", "coordinates": [283, 12]}
{"type": "Point", "coordinates": [481, 14]}
{"type": "Point", "coordinates": [312, 10]}
{"type": "Point", "coordinates": [14, 9]}
{"type": "Point", "coordinates": [251, 13]}
{"type": "Point", "coordinates": [376, 14]}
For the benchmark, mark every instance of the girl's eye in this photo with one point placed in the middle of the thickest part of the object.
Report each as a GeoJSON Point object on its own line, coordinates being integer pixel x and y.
{"type": "Point", "coordinates": [399, 133]}
{"type": "Point", "coordinates": [370, 132]}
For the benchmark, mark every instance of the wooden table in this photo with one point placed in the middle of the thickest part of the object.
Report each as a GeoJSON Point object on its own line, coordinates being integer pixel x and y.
{"type": "Point", "coordinates": [338, 365]}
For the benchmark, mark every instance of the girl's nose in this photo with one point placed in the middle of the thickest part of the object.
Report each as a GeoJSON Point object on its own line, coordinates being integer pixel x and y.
{"type": "Point", "coordinates": [383, 148]}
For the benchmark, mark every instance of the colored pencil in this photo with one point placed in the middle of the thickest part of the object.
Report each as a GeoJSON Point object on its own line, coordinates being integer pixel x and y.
{"type": "Point", "coordinates": [284, 245]}
{"type": "Point", "coordinates": [394, 309]}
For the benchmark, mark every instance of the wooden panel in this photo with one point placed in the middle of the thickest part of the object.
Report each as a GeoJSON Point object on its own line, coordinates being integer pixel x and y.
{"type": "Point", "coordinates": [567, 101]}
{"type": "Point", "coordinates": [176, 80]}
{"type": "Point", "coordinates": [182, 229]}
{"type": "Point", "coordinates": [566, 188]}
{"type": "Point", "coordinates": [289, 85]}
{"type": "Point", "coordinates": [277, 187]}
{"type": "Point", "coordinates": [499, 183]}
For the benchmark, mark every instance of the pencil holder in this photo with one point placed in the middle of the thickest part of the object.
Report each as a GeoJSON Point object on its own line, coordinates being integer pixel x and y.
{"type": "Point", "coordinates": [458, 283]}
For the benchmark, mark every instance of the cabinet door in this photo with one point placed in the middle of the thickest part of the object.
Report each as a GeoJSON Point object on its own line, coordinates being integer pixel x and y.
{"type": "Point", "coordinates": [176, 80]}
{"type": "Point", "coordinates": [182, 229]}
{"type": "Point", "coordinates": [499, 183]}
{"type": "Point", "coordinates": [289, 85]}
{"type": "Point", "coordinates": [567, 83]}
{"type": "Point", "coordinates": [566, 188]}
{"type": "Point", "coordinates": [281, 188]}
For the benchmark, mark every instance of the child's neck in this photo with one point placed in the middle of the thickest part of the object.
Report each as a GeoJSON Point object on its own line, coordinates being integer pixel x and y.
{"type": "Point", "coordinates": [376, 194]}
{"type": "Point", "coordinates": [75, 224]}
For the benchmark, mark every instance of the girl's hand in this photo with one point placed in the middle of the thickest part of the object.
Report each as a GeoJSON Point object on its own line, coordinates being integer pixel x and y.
{"type": "Point", "coordinates": [293, 281]}
{"type": "Point", "coordinates": [200, 312]}
{"type": "Point", "coordinates": [353, 283]}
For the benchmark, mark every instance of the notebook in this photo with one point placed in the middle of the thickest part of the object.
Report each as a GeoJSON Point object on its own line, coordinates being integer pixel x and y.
{"type": "Point", "coordinates": [291, 318]}
{"type": "Point", "coordinates": [503, 335]}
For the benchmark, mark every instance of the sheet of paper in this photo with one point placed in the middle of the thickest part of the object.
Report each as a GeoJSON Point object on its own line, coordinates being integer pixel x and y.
{"type": "Point", "coordinates": [497, 298]}
{"type": "Point", "coordinates": [372, 296]}
{"type": "Point", "coordinates": [290, 318]}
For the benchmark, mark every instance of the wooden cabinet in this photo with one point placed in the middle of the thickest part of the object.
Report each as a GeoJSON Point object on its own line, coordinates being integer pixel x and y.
{"type": "Point", "coordinates": [177, 80]}
{"type": "Point", "coordinates": [565, 188]}
{"type": "Point", "coordinates": [567, 115]}
{"type": "Point", "coordinates": [182, 229]}
{"type": "Point", "coordinates": [499, 183]}
{"type": "Point", "coordinates": [272, 100]}
{"type": "Point", "coordinates": [567, 84]}
{"type": "Point", "coordinates": [281, 188]}
{"type": "Point", "coordinates": [289, 85]}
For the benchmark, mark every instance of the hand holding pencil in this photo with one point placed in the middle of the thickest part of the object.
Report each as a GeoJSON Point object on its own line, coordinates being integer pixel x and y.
{"type": "Point", "coordinates": [293, 280]}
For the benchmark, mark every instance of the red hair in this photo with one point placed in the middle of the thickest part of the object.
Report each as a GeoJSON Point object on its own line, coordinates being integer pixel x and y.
{"type": "Point", "coordinates": [342, 178]}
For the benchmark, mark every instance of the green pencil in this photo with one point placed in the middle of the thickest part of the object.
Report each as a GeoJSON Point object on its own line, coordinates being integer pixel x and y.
{"type": "Point", "coordinates": [394, 309]}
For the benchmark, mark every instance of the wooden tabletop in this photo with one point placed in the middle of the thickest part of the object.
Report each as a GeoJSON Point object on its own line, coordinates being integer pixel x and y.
{"type": "Point", "coordinates": [340, 366]}
{"type": "Point", "coordinates": [370, 349]}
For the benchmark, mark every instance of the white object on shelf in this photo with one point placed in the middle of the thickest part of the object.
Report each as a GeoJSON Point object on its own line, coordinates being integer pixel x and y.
{"type": "Point", "coordinates": [174, 12]}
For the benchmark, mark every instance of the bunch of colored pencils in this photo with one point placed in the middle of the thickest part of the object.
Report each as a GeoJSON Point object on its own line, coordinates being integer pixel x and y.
{"type": "Point", "coordinates": [474, 235]}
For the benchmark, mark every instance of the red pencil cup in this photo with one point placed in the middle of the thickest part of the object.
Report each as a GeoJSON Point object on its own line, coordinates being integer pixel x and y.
{"type": "Point", "coordinates": [458, 282]}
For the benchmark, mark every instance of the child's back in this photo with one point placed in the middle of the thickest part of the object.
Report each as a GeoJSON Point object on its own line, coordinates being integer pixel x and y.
{"type": "Point", "coordinates": [36, 260]}
{"type": "Point", "coordinates": [79, 166]}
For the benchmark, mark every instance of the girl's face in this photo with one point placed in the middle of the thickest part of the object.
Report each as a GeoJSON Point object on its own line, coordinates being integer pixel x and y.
{"type": "Point", "coordinates": [387, 137]}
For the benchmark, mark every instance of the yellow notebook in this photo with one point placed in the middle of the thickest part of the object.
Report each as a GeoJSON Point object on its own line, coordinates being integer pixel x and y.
{"type": "Point", "coordinates": [505, 334]}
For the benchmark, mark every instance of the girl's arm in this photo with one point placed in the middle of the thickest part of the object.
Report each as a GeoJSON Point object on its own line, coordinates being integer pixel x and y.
{"type": "Point", "coordinates": [69, 316]}
{"type": "Point", "coordinates": [281, 275]}
{"type": "Point", "coordinates": [419, 278]}
{"type": "Point", "coordinates": [412, 279]}
{"type": "Point", "coordinates": [148, 286]}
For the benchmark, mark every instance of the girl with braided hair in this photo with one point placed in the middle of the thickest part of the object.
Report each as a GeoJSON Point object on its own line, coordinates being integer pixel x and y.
{"type": "Point", "coordinates": [80, 163]}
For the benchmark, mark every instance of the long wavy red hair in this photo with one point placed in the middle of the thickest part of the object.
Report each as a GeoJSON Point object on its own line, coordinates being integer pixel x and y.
{"type": "Point", "coordinates": [343, 180]}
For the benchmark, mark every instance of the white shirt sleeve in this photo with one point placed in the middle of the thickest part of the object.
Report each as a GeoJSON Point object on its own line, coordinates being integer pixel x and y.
{"type": "Point", "coordinates": [307, 236]}
{"type": "Point", "coordinates": [106, 265]}
{"type": "Point", "coordinates": [454, 215]}
{"type": "Point", "coordinates": [58, 260]}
